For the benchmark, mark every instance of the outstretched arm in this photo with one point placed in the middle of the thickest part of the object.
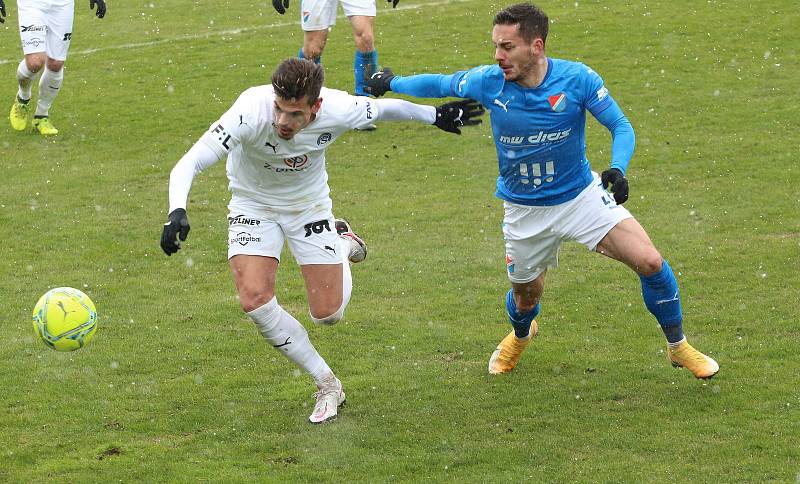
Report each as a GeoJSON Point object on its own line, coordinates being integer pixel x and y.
{"type": "Point", "coordinates": [422, 85]}
{"type": "Point", "coordinates": [448, 117]}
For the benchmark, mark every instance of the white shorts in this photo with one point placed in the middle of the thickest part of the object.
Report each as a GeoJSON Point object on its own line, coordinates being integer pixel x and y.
{"type": "Point", "coordinates": [533, 235]}
{"type": "Point", "coordinates": [321, 14]}
{"type": "Point", "coordinates": [46, 26]}
{"type": "Point", "coordinates": [257, 230]}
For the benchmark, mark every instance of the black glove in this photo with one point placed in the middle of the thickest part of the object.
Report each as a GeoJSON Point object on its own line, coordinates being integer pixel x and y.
{"type": "Point", "coordinates": [394, 3]}
{"type": "Point", "coordinates": [618, 182]}
{"type": "Point", "coordinates": [280, 5]}
{"type": "Point", "coordinates": [380, 82]}
{"type": "Point", "coordinates": [178, 225]}
{"type": "Point", "coordinates": [2, 11]}
{"type": "Point", "coordinates": [101, 7]}
{"type": "Point", "coordinates": [451, 116]}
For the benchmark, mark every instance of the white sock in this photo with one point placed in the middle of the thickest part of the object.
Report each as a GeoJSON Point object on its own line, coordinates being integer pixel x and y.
{"type": "Point", "coordinates": [343, 248]}
{"type": "Point", "coordinates": [49, 85]}
{"type": "Point", "coordinates": [289, 337]}
{"type": "Point", "coordinates": [25, 79]}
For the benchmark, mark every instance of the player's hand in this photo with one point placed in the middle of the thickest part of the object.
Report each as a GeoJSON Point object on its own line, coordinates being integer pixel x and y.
{"type": "Point", "coordinates": [280, 5]}
{"type": "Point", "coordinates": [101, 7]}
{"type": "Point", "coordinates": [451, 116]}
{"type": "Point", "coordinates": [394, 3]}
{"type": "Point", "coordinates": [178, 225]}
{"type": "Point", "coordinates": [618, 182]}
{"type": "Point", "coordinates": [380, 82]}
{"type": "Point", "coordinates": [2, 11]}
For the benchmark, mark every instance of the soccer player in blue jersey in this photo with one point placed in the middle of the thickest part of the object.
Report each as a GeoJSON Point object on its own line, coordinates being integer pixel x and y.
{"type": "Point", "coordinates": [550, 194]}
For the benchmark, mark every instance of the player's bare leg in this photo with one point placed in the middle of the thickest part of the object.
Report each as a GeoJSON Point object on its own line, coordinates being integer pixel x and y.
{"type": "Point", "coordinates": [522, 306]}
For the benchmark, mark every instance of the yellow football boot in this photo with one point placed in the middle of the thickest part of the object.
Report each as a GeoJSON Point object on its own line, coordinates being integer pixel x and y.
{"type": "Point", "coordinates": [44, 126]}
{"type": "Point", "coordinates": [508, 352]}
{"type": "Point", "coordinates": [684, 355]}
{"type": "Point", "coordinates": [19, 115]}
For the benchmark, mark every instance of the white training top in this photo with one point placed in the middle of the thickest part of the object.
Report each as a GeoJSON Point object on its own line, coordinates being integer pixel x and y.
{"type": "Point", "coordinates": [269, 170]}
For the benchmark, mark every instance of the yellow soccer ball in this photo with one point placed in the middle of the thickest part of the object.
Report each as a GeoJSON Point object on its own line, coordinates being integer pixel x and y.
{"type": "Point", "coordinates": [65, 319]}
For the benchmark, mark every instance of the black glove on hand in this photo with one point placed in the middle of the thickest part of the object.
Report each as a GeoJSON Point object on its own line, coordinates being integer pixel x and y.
{"type": "Point", "coordinates": [394, 3]}
{"type": "Point", "coordinates": [280, 5]}
{"type": "Point", "coordinates": [451, 116]}
{"type": "Point", "coordinates": [2, 11]}
{"type": "Point", "coordinates": [101, 7]}
{"type": "Point", "coordinates": [618, 182]}
{"type": "Point", "coordinates": [178, 225]}
{"type": "Point", "coordinates": [380, 82]}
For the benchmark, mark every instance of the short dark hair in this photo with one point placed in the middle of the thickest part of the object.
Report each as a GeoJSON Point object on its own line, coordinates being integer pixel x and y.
{"type": "Point", "coordinates": [533, 22]}
{"type": "Point", "coordinates": [295, 78]}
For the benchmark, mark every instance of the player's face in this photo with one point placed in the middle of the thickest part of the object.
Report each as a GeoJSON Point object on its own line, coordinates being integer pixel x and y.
{"type": "Point", "coordinates": [515, 56]}
{"type": "Point", "coordinates": [292, 115]}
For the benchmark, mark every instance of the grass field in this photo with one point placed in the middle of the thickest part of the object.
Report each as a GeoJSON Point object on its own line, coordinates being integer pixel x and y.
{"type": "Point", "coordinates": [177, 384]}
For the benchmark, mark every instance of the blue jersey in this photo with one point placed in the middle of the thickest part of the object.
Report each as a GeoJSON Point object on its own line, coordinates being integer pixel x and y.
{"type": "Point", "coordinates": [539, 132]}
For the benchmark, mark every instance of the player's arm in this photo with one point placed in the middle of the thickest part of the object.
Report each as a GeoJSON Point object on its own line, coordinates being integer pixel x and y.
{"type": "Point", "coordinates": [448, 117]}
{"type": "Point", "coordinates": [421, 85]}
{"type": "Point", "coordinates": [213, 146]}
{"type": "Point", "coordinates": [198, 158]}
{"type": "Point", "coordinates": [623, 142]}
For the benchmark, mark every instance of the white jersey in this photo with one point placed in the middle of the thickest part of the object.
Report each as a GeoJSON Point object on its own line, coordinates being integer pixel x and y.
{"type": "Point", "coordinates": [272, 171]}
{"type": "Point", "coordinates": [265, 170]}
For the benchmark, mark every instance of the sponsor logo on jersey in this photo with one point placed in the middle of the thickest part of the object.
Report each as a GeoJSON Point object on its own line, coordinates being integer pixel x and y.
{"type": "Point", "coordinates": [324, 138]}
{"type": "Point", "coordinates": [558, 102]}
{"type": "Point", "coordinates": [369, 110]}
{"type": "Point", "coordinates": [242, 220]}
{"type": "Point", "coordinates": [32, 28]}
{"type": "Point", "coordinates": [243, 238]}
{"type": "Point", "coordinates": [67, 36]}
{"type": "Point", "coordinates": [306, 16]}
{"type": "Point", "coordinates": [223, 136]}
{"type": "Point", "coordinates": [602, 93]}
{"type": "Point", "coordinates": [296, 162]}
{"type": "Point", "coordinates": [535, 139]}
{"type": "Point", "coordinates": [317, 227]}
{"type": "Point", "coordinates": [34, 42]}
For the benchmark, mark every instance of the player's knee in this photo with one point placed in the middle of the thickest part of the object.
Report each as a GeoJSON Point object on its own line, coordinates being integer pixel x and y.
{"type": "Point", "coordinates": [54, 65]}
{"type": "Point", "coordinates": [328, 314]}
{"type": "Point", "coordinates": [251, 299]}
{"type": "Point", "coordinates": [364, 42]}
{"type": "Point", "coordinates": [527, 305]}
{"type": "Point", "coordinates": [650, 263]}
{"type": "Point", "coordinates": [35, 62]}
{"type": "Point", "coordinates": [313, 51]}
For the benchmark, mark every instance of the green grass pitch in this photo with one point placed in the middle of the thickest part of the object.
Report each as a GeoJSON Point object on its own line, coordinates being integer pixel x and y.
{"type": "Point", "coordinates": [178, 386]}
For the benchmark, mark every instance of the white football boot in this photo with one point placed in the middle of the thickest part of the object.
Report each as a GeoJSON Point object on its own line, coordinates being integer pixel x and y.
{"type": "Point", "coordinates": [329, 398]}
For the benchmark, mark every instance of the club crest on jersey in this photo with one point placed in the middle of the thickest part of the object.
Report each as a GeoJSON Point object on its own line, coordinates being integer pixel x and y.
{"type": "Point", "coordinates": [306, 16]}
{"type": "Point", "coordinates": [558, 102]}
{"type": "Point", "coordinates": [324, 138]}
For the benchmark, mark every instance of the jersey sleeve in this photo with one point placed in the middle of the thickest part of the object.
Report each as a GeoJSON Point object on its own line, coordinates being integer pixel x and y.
{"type": "Point", "coordinates": [359, 111]}
{"type": "Point", "coordinates": [595, 95]}
{"type": "Point", "coordinates": [236, 126]}
{"type": "Point", "coordinates": [465, 84]}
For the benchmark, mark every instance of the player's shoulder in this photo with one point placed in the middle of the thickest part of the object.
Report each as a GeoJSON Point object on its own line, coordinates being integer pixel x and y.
{"type": "Point", "coordinates": [257, 93]}
{"type": "Point", "coordinates": [486, 79]}
{"type": "Point", "coordinates": [570, 68]}
{"type": "Point", "coordinates": [336, 103]}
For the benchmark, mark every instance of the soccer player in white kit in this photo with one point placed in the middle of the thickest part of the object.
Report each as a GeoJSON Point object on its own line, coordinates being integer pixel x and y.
{"type": "Point", "coordinates": [274, 137]}
{"type": "Point", "coordinates": [45, 29]}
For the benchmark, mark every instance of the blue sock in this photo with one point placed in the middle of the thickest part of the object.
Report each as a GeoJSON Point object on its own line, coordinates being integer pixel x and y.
{"type": "Point", "coordinates": [302, 55]}
{"type": "Point", "coordinates": [661, 296]}
{"type": "Point", "coordinates": [520, 321]}
{"type": "Point", "coordinates": [364, 66]}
